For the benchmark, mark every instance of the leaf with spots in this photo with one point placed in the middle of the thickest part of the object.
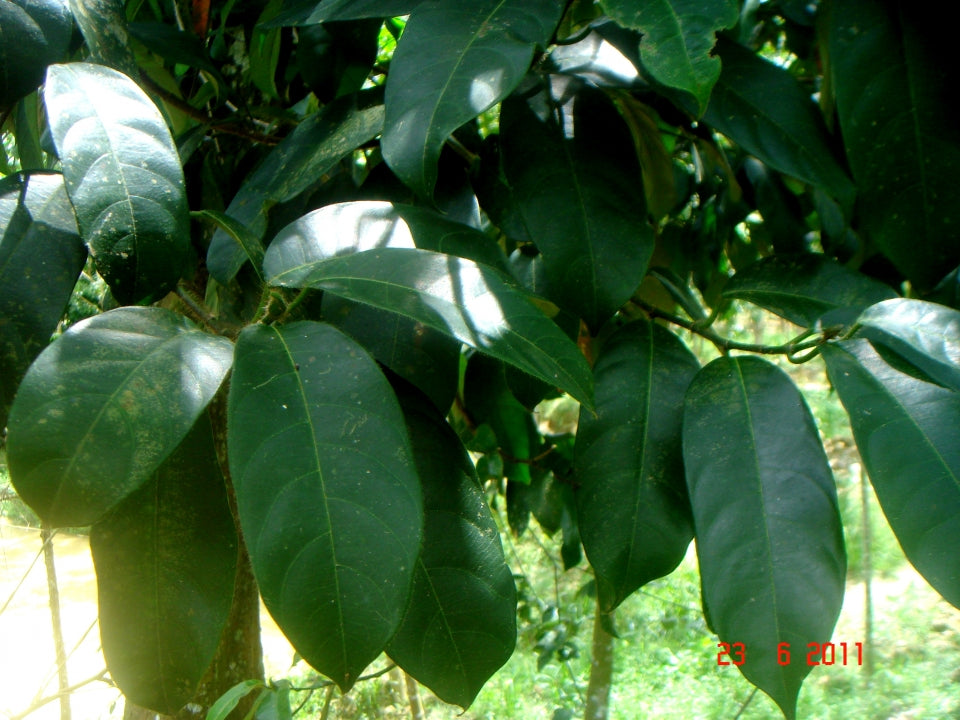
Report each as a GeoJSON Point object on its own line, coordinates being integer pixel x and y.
{"type": "Point", "coordinates": [123, 176]}
{"type": "Point", "coordinates": [327, 491]}
{"type": "Point", "coordinates": [103, 406]}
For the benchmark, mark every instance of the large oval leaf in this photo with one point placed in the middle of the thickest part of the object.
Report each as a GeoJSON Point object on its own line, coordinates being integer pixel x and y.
{"type": "Point", "coordinates": [104, 405]}
{"type": "Point", "coordinates": [165, 559]}
{"type": "Point", "coordinates": [123, 176]}
{"type": "Point", "coordinates": [802, 288]}
{"type": "Point", "coordinates": [463, 299]}
{"type": "Point", "coordinates": [581, 199]}
{"type": "Point", "coordinates": [890, 70]}
{"type": "Point", "coordinates": [908, 432]}
{"type": "Point", "coordinates": [293, 167]}
{"type": "Point", "coordinates": [769, 539]}
{"type": "Point", "coordinates": [40, 258]}
{"type": "Point", "coordinates": [678, 39]}
{"type": "Point", "coordinates": [461, 625]}
{"type": "Point", "coordinates": [33, 34]}
{"type": "Point", "coordinates": [632, 502]}
{"type": "Point", "coordinates": [479, 52]}
{"type": "Point", "coordinates": [328, 495]}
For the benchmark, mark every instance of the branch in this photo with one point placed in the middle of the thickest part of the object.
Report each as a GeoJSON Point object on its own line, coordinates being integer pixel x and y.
{"type": "Point", "coordinates": [66, 691]}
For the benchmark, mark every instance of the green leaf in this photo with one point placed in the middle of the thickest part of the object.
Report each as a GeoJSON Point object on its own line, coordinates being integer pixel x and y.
{"type": "Point", "coordinates": [246, 241]}
{"type": "Point", "coordinates": [461, 625]}
{"type": "Point", "coordinates": [925, 333]}
{"type": "Point", "coordinates": [678, 37]}
{"type": "Point", "coordinates": [581, 199]}
{"type": "Point", "coordinates": [314, 12]}
{"type": "Point", "coordinates": [103, 24]}
{"type": "Point", "coordinates": [264, 54]}
{"type": "Point", "coordinates": [632, 502]}
{"type": "Point", "coordinates": [479, 52]}
{"type": "Point", "coordinates": [906, 429]}
{"type": "Point", "coordinates": [804, 287]}
{"type": "Point", "coordinates": [123, 177]}
{"type": "Point", "coordinates": [103, 407]}
{"type": "Point", "coordinates": [297, 164]}
{"type": "Point", "coordinates": [33, 34]}
{"type": "Point", "coordinates": [329, 499]}
{"type": "Point", "coordinates": [40, 258]}
{"type": "Point", "coordinates": [762, 108]}
{"type": "Point", "coordinates": [165, 559]}
{"type": "Point", "coordinates": [471, 302]}
{"type": "Point", "coordinates": [769, 538]}
{"type": "Point", "coordinates": [225, 704]}
{"type": "Point", "coordinates": [891, 73]}
{"type": "Point", "coordinates": [177, 46]}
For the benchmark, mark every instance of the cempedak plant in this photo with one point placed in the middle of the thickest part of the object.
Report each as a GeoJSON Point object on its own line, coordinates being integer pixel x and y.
{"type": "Point", "coordinates": [347, 241]}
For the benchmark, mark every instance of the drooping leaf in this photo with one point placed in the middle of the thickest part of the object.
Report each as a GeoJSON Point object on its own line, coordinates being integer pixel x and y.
{"type": "Point", "coordinates": [123, 177]}
{"type": "Point", "coordinates": [33, 34]}
{"type": "Point", "coordinates": [762, 108]}
{"type": "Point", "coordinates": [466, 300]}
{"type": "Point", "coordinates": [329, 499]}
{"type": "Point", "coordinates": [102, 407]}
{"type": "Point", "coordinates": [245, 241]}
{"type": "Point", "coordinates": [769, 538]}
{"type": "Point", "coordinates": [294, 166]}
{"type": "Point", "coordinates": [165, 559]}
{"type": "Point", "coordinates": [632, 503]}
{"type": "Point", "coordinates": [925, 333]}
{"type": "Point", "coordinates": [891, 76]}
{"type": "Point", "coordinates": [803, 287]}
{"type": "Point", "coordinates": [461, 625]}
{"type": "Point", "coordinates": [908, 432]}
{"type": "Point", "coordinates": [678, 37]}
{"type": "Point", "coordinates": [581, 199]}
{"type": "Point", "coordinates": [40, 258]}
{"type": "Point", "coordinates": [264, 52]}
{"type": "Point", "coordinates": [479, 52]}
{"type": "Point", "coordinates": [656, 163]}
{"type": "Point", "coordinates": [313, 12]}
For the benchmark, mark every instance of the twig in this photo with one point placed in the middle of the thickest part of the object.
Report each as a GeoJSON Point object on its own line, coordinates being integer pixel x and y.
{"type": "Point", "coordinates": [23, 579]}
{"type": "Point", "coordinates": [327, 701]}
{"type": "Point", "coordinates": [413, 697]}
{"type": "Point", "coordinates": [746, 703]}
{"type": "Point", "coordinates": [53, 591]}
{"type": "Point", "coordinates": [65, 691]}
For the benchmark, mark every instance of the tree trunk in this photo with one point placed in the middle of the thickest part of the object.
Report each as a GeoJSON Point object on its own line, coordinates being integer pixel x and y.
{"type": "Point", "coordinates": [601, 671]}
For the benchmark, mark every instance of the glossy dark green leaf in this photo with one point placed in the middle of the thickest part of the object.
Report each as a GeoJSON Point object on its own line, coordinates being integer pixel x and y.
{"type": "Point", "coordinates": [461, 625]}
{"type": "Point", "coordinates": [103, 406]}
{"type": "Point", "coordinates": [40, 258]}
{"type": "Point", "coordinates": [312, 12]}
{"type": "Point", "coordinates": [329, 499]}
{"type": "Point", "coordinates": [803, 287]}
{"type": "Point", "coordinates": [581, 200]}
{"type": "Point", "coordinates": [908, 432]}
{"type": "Point", "coordinates": [177, 46]}
{"type": "Point", "coordinates": [249, 245]}
{"type": "Point", "coordinates": [33, 34]}
{"type": "Point", "coordinates": [103, 24]}
{"type": "Point", "coordinates": [471, 302]}
{"type": "Point", "coordinates": [632, 503]}
{"type": "Point", "coordinates": [123, 177]}
{"type": "Point", "coordinates": [294, 166]}
{"type": "Point", "coordinates": [678, 39]}
{"type": "Point", "coordinates": [925, 333]}
{"type": "Point", "coordinates": [891, 73]}
{"type": "Point", "coordinates": [263, 55]}
{"type": "Point", "coordinates": [335, 59]}
{"type": "Point", "coordinates": [479, 52]}
{"type": "Point", "coordinates": [769, 538]}
{"type": "Point", "coordinates": [165, 559]}
{"type": "Point", "coordinates": [762, 108]}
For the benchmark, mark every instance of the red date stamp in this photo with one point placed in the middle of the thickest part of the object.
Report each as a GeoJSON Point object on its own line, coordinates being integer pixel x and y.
{"type": "Point", "coordinates": [827, 653]}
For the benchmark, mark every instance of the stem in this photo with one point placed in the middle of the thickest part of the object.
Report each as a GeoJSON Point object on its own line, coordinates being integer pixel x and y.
{"type": "Point", "coordinates": [413, 697]}
{"type": "Point", "coordinates": [867, 577]}
{"type": "Point", "coordinates": [65, 692]}
{"type": "Point", "coordinates": [601, 671]}
{"type": "Point", "coordinates": [200, 312]}
{"type": "Point", "coordinates": [56, 625]}
{"type": "Point", "coordinates": [327, 702]}
{"type": "Point", "coordinates": [746, 703]}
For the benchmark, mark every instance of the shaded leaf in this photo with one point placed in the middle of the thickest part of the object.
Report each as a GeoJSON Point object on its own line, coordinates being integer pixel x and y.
{"type": "Point", "coordinates": [293, 167]}
{"type": "Point", "coordinates": [479, 53]}
{"type": "Point", "coordinates": [926, 334]}
{"type": "Point", "coordinates": [248, 244]}
{"type": "Point", "coordinates": [102, 407]}
{"type": "Point", "coordinates": [329, 499]}
{"type": "Point", "coordinates": [762, 108]}
{"type": "Point", "coordinates": [891, 76]}
{"type": "Point", "coordinates": [581, 199]}
{"type": "Point", "coordinates": [632, 504]}
{"type": "Point", "coordinates": [123, 177]}
{"type": "Point", "coordinates": [461, 625]}
{"type": "Point", "coordinates": [177, 46]}
{"type": "Point", "coordinates": [313, 12]}
{"type": "Point", "coordinates": [33, 34]}
{"type": "Point", "coordinates": [103, 24]}
{"type": "Point", "coordinates": [906, 429]}
{"type": "Point", "coordinates": [165, 559]}
{"type": "Point", "coordinates": [463, 299]}
{"type": "Point", "coordinates": [678, 37]}
{"type": "Point", "coordinates": [804, 287]}
{"type": "Point", "coordinates": [40, 258]}
{"type": "Point", "coordinates": [769, 538]}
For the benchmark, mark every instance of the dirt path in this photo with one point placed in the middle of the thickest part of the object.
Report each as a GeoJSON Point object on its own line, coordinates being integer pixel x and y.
{"type": "Point", "coordinates": [27, 664]}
